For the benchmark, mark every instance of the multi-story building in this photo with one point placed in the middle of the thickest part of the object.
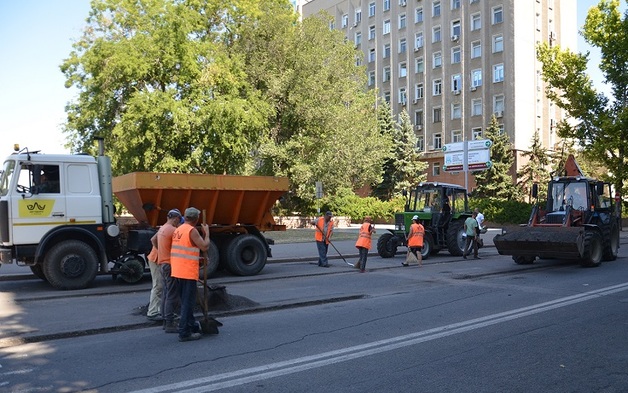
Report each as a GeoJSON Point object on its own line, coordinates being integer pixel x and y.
{"type": "Point", "coordinates": [452, 64]}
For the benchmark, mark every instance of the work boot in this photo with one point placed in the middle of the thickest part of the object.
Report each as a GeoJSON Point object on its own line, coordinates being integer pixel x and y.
{"type": "Point", "coordinates": [171, 327]}
{"type": "Point", "coordinates": [191, 337]}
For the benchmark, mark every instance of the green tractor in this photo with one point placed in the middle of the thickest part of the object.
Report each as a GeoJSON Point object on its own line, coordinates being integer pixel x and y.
{"type": "Point", "coordinates": [442, 208]}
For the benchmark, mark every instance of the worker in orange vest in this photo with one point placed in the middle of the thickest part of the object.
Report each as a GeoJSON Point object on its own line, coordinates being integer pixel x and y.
{"type": "Point", "coordinates": [415, 239]}
{"type": "Point", "coordinates": [187, 245]}
{"type": "Point", "coordinates": [324, 229]}
{"type": "Point", "coordinates": [364, 242]}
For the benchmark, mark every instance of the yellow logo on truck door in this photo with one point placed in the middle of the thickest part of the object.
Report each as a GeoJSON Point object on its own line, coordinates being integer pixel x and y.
{"type": "Point", "coordinates": [35, 207]}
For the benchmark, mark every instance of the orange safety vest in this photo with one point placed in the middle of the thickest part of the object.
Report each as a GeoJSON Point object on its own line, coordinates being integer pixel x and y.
{"type": "Point", "coordinates": [415, 237]}
{"type": "Point", "coordinates": [320, 225]}
{"type": "Point", "coordinates": [364, 238]}
{"type": "Point", "coordinates": [184, 255]}
{"type": "Point", "coordinates": [164, 243]}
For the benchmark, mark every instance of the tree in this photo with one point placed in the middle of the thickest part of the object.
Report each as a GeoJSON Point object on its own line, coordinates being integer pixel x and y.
{"type": "Point", "coordinates": [602, 126]}
{"type": "Point", "coordinates": [536, 170]}
{"type": "Point", "coordinates": [496, 182]}
{"type": "Point", "coordinates": [385, 189]}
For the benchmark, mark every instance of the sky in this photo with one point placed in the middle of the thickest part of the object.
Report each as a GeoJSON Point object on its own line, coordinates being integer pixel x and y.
{"type": "Point", "coordinates": [37, 35]}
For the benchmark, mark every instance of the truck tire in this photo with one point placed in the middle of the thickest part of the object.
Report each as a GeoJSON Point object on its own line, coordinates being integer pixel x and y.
{"type": "Point", "coordinates": [455, 241]}
{"type": "Point", "coordinates": [387, 245]}
{"type": "Point", "coordinates": [611, 239]}
{"type": "Point", "coordinates": [214, 260]}
{"type": "Point", "coordinates": [38, 271]}
{"type": "Point", "coordinates": [523, 259]}
{"type": "Point", "coordinates": [246, 255]}
{"type": "Point", "coordinates": [131, 270]}
{"type": "Point", "coordinates": [593, 249]}
{"type": "Point", "coordinates": [428, 246]}
{"type": "Point", "coordinates": [70, 264]}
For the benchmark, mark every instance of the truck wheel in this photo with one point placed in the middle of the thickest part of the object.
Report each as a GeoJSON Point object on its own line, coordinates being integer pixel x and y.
{"type": "Point", "coordinates": [212, 264]}
{"type": "Point", "coordinates": [611, 247]}
{"type": "Point", "coordinates": [593, 249]}
{"type": "Point", "coordinates": [455, 241]}
{"type": "Point", "coordinates": [38, 271]}
{"type": "Point", "coordinates": [523, 260]}
{"type": "Point", "coordinates": [246, 255]}
{"type": "Point", "coordinates": [387, 245]}
{"type": "Point", "coordinates": [428, 246]}
{"type": "Point", "coordinates": [131, 270]}
{"type": "Point", "coordinates": [70, 264]}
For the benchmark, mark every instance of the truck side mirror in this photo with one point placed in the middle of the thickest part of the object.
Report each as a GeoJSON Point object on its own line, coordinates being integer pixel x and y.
{"type": "Point", "coordinates": [535, 190]}
{"type": "Point", "coordinates": [599, 188]}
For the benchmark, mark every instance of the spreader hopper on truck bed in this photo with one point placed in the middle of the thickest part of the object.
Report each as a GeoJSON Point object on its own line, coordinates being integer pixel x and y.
{"type": "Point", "coordinates": [580, 221]}
{"type": "Point", "coordinates": [57, 216]}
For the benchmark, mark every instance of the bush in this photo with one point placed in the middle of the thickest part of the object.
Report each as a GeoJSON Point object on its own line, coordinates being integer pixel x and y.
{"type": "Point", "coordinates": [346, 203]}
{"type": "Point", "coordinates": [502, 211]}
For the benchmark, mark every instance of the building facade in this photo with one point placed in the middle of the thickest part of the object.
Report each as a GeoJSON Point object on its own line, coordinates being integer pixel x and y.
{"type": "Point", "coordinates": [453, 64]}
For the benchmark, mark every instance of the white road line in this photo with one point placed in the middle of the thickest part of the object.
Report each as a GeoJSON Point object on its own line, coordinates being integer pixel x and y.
{"type": "Point", "coordinates": [241, 377]}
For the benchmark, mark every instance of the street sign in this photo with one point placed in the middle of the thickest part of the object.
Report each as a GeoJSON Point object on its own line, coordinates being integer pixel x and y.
{"type": "Point", "coordinates": [467, 156]}
{"type": "Point", "coordinates": [319, 189]}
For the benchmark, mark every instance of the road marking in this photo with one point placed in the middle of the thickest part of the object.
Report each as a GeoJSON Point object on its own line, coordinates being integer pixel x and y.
{"type": "Point", "coordinates": [253, 374]}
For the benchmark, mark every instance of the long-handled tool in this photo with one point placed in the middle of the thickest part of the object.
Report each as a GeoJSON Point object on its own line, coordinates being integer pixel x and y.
{"type": "Point", "coordinates": [208, 326]}
{"type": "Point", "coordinates": [332, 244]}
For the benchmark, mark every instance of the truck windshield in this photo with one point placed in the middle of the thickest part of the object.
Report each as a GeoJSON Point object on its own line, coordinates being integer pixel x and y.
{"type": "Point", "coordinates": [425, 200]}
{"type": "Point", "coordinates": [5, 177]}
{"type": "Point", "coordinates": [569, 194]}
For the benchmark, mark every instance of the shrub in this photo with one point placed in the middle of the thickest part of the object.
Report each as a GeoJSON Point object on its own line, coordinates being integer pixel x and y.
{"type": "Point", "coordinates": [346, 203]}
{"type": "Point", "coordinates": [502, 211]}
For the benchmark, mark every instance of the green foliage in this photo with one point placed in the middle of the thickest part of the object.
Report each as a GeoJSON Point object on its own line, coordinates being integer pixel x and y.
{"type": "Point", "coordinates": [496, 182]}
{"type": "Point", "coordinates": [602, 122]}
{"type": "Point", "coordinates": [346, 203]}
{"type": "Point", "coordinates": [502, 211]}
{"type": "Point", "coordinates": [536, 170]}
{"type": "Point", "coordinates": [403, 167]}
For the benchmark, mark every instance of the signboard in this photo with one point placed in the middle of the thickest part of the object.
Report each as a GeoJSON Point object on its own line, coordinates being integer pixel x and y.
{"type": "Point", "coordinates": [475, 154]}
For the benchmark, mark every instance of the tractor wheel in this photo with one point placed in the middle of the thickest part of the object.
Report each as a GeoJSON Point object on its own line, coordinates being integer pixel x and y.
{"type": "Point", "coordinates": [131, 269]}
{"type": "Point", "coordinates": [70, 264]}
{"type": "Point", "coordinates": [246, 255]}
{"type": "Point", "coordinates": [387, 245]}
{"type": "Point", "coordinates": [38, 271]}
{"type": "Point", "coordinates": [214, 260]}
{"type": "Point", "coordinates": [428, 246]}
{"type": "Point", "coordinates": [611, 238]}
{"type": "Point", "coordinates": [593, 249]}
{"type": "Point", "coordinates": [523, 259]}
{"type": "Point", "coordinates": [455, 241]}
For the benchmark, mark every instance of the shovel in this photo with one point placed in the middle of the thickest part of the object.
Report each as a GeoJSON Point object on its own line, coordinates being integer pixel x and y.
{"type": "Point", "coordinates": [208, 325]}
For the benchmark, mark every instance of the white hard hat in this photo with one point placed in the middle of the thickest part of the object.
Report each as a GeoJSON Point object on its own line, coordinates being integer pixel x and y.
{"type": "Point", "coordinates": [415, 217]}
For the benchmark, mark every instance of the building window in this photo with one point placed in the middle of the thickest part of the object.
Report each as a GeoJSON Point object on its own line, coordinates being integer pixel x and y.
{"type": "Point", "coordinates": [386, 51]}
{"type": "Point", "coordinates": [437, 87]}
{"type": "Point", "coordinates": [371, 9]}
{"type": "Point", "coordinates": [455, 4]}
{"type": "Point", "coordinates": [402, 45]}
{"type": "Point", "coordinates": [418, 91]}
{"type": "Point", "coordinates": [418, 118]}
{"type": "Point", "coordinates": [476, 49]}
{"type": "Point", "coordinates": [403, 70]}
{"type": "Point", "coordinates": [403, 96]}
{"type": "Point", "coordinates": [371, 55]}
{"type": "Point", "coordinates": [498, 15]}
{"type": "Point", "coordinates": [436, 8]}
{"type": "Point", "coordinates": [476, 21]}
{"type": "Point", "coordinates": [358, 16]}
{"type": "Point", "coordinates": [358, 38]}
{"type": "Point", "coordinates": [455, 55]}
{"type": "Point", "coordinates": [419, 65]}
{"type": "Point", "coordinates": [418, 40]}
{"type": "Point", "coordinates": [371, 78]}
{"type": "Point", "coordinates": [456, 82]}
{"type": "Point", "coordinates": [358, 61]}
{"type": "Point", "coordinates": [476, 133]}
{"type": "Point", "coordinates": [436, 165]}
{"type": "Point", "coordinates": [498, 73]}
{"type": "Point", "coordinates": [455, 29]}
{"type": "Point", "coordinates": [438, 142]}
{"type": "Point", "coordinates": [344, 21]}
{"type": "Point", "coordinates": [418, 15]}
{"type": "Point", "coordinates": [371, 33]}
{"type": "Point", "coordinates": [386, 5]}
{"type": "Point", "coordinates": [420, 143]}
{"type": "Point", "coordinates": [456, 110]}
{"type": "Point", "coordinates": [386, 74]}
{"type": "Point", "coordinates": [386, 27]}
{"type": "Point", "coordinates": [476, 78]}
{"type": "Point", "coordinates": [402, 21]}
{"type": "Point", "coordinates": [498, 43]}
{"type": "Point", "coordinates": [456, 136]}
{"type": "Point", "coordinates": [387, 97]}
{"type": "Point", "coordinates": [436, 34]}
{"type": "Point", "coordinates": [332, 25]}
{"type": "Point", "coordinates": [436, 118]}
{"type": "Point", "coordinates": [476, 107]}
{"type": "Point", "coordinates": [498, 104]}
{"type": "Point", "coordinates": [437, 60]}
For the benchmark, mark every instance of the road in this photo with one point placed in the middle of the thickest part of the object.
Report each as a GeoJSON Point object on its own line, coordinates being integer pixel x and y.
{"type": "Point", "coordinates": [450, 326]}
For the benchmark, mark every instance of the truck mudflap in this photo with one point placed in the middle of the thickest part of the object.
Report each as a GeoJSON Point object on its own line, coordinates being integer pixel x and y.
{"type": "Point", "coordinates": [542, 242]}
